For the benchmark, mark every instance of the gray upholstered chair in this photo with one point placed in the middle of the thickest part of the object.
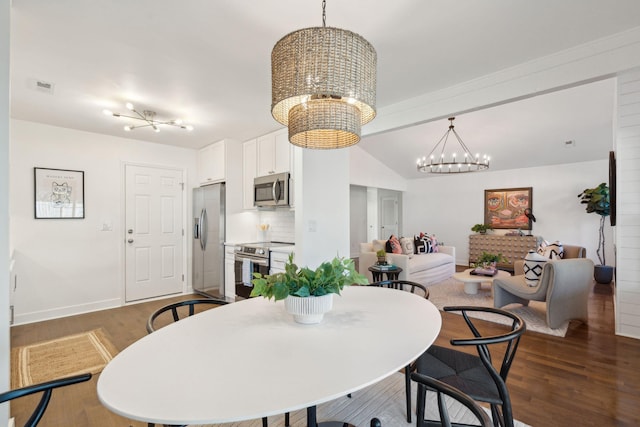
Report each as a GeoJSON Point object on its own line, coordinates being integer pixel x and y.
{"type": "Point", "coordinates": [564, 285]}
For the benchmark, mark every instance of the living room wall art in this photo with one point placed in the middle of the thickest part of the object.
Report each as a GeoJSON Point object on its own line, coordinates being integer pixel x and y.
{"type": "Point", "coordinates": [58, 193]}
{"type": "Point", "coordinates": [505, 207]}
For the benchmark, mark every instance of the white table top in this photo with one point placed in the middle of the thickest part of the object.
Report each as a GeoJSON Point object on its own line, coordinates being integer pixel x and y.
{"type": "Point", "coordinates": [250, 359]}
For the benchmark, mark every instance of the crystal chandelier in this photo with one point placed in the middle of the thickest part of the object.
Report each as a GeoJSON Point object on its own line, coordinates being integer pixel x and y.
{"type": "Point", "coordinates": [444, 163]}
{"type": "Point", "coordinates": [149, 119]}
{"type": "Point", "coordinates": [323, 85]}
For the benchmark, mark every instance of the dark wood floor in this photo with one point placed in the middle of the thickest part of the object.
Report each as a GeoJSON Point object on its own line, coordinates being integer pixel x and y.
{"type": "Point", "coordinates": [588, 378]}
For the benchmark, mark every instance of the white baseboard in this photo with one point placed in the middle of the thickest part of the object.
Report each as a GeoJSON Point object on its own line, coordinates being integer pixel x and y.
{"type": "Point", "coordinates": [38, 316]}
{"type": "Point", "coordinates": [12, 422]}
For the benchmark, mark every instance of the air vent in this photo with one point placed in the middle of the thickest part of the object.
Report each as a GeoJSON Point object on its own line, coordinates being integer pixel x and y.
{"type": "Point", "coordinates": [43, 86]}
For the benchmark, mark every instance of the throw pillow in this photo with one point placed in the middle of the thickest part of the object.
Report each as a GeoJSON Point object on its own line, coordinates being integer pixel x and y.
{"type": "Point", "coordinates": [551, 250]}
{"type": "Point", "coordinates": [395, 245]}
{"type": "Point", "coordinates": [434, 243]}
{"type": "Point", "coordinates": [533, 265]}
{"type": "Point", "coordinates": [422, 244]}
{"type": "Point", "coordinates": [407, 246]}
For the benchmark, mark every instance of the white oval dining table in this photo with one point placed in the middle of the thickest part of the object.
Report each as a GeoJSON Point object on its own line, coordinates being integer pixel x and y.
{"type": "Point", "coordinates": [249, 359]}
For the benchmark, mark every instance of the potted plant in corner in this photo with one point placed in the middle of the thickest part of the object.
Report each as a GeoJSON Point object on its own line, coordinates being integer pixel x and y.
{"type": "Point", "coordinates": [481, 228]}
{"type": "Point", "coordinates": [308, 294]}
{"type": "Point", "coordinates": [597, 201]}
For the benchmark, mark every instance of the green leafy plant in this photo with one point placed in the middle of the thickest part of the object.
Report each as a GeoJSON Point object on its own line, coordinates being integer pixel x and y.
{"type": "Point", "coordinates": [330, 277]}
{"type": "Point", "coordinates": [481, 228]}
{"type": "Point", "coordinates": [597, 201]}
{"type": "Point", "coordinates": [487, 258]}
{"type": "Point", "coordinates": [381, 253]}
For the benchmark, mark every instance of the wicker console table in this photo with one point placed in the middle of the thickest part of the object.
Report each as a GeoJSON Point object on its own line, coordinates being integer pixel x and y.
{"type": "Point", "coordinates": [511, 247]}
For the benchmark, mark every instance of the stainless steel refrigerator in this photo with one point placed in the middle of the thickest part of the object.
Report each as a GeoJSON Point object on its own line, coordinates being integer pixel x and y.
{"type": "Point", "coordinates": [208, 239]}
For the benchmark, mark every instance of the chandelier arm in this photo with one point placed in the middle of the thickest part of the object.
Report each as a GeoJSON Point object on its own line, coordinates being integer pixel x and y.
{"type": "Point", "coordinates": [464, 147]}
{"type": "Point", "coordinates": [142, 116]}
{"type": "Point", "coordinates": [438, 144]}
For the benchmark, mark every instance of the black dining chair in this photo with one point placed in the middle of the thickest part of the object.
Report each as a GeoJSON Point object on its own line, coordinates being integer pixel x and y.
{"type": "Point", "coordinates": [179, 310]}
{"type": "Point", "coordinates": [186, 308]}
{"type": "Point", "coordinates": [473, 375]}
{"type": "Point", "coordinates": [46, 389]}
{"type": "Point", "coordinates": [441, 389]}
{"type": "Point", "coordinates": [420, 290]}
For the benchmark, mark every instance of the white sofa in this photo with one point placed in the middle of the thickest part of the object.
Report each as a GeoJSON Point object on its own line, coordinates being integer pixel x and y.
{"type": "Point", "coordinates": [426, 269]}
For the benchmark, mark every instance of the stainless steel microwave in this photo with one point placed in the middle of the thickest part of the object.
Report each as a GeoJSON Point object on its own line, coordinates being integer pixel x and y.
{"type": "Point", "coordinates": [271, 190]}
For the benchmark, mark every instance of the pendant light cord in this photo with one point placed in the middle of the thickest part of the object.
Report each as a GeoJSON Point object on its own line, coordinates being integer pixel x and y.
{"type": "Point", "coordinates": [324, 13]}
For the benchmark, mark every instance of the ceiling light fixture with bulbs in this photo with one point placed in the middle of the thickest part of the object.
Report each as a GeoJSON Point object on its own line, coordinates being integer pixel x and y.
{"type": "Point", "coordinates": [149, 119]}
{"type": "Point", "coordinates": [452, 163]}
{"type": "Point", "coordinates": [323, 85]}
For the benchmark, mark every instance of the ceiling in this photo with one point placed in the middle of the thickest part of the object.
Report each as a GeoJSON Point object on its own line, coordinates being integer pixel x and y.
{"type": "Point", "coordinates": [209, 63]}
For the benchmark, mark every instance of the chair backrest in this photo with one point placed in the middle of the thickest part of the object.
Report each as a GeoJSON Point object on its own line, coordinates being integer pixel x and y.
{"type": "Point", "coordinates": [427, 383]}
{"type": "Point", "coordinates": [512, 338]}
{"type": "Point", "coordinates": [571, 251]}
{"type": "Point", "coordinates": [404, 285]}
{"type": "Point", "coordinates": [184, 308]}
{"type": "Point", "coordinates": [46, 389]}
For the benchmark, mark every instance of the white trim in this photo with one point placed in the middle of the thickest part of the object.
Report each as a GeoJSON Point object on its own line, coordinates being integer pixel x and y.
{"type": "Point", "coordinates": [596, 60]}
{"type": "Point", "coordinates": [72, 310]}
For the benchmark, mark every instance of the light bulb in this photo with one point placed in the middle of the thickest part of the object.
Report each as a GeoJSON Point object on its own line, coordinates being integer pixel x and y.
{"type": "Point", "coordinates": [189, 128]}
{"type": "Point", "coordinates": [128, 128]}
{"type": "Point", "coordinates": [107, 112]}
{"type": "Point", "coordinates": [177, 121]}
{"type": "Point", "coordinates": [129, 106]}
{"type": "Point", "coordinates": [156, 129]}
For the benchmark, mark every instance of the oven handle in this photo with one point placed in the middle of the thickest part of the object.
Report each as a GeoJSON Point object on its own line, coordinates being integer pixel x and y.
{"type": "Point", "coordinates": [255, 260]}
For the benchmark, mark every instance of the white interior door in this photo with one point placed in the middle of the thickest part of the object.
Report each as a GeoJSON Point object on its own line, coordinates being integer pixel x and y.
{"type": "Point", "coordinates": [153, 233]}
{"type": "Point", "coordinates": [389, 214]}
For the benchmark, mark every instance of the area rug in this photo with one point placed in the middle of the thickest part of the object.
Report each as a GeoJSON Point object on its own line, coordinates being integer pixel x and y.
{"type": "Point", "coordinates": [451, 292]}
{"type": "Point", "coordinates": [87, 352]}
{"type": "Point", "coordinates": [384, 400]}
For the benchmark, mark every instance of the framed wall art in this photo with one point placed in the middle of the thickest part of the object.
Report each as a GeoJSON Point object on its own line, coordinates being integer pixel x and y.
{"type": "Point", "coordinates": [505, 207]}
{"type": "Point", "coordinates": [58, 193]}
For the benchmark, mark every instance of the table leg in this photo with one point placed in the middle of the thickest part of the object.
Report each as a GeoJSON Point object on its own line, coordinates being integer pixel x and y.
{"type": "Point", "coordinates": [471, 288]}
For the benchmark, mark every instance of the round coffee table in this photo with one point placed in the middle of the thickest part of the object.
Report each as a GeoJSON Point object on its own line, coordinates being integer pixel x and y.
{"type": "Point", "coordinates": [472, 282]}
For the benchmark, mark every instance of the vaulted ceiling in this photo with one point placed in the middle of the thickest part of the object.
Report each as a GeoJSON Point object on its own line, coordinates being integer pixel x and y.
{"type": "Point", "coordinates": [209, 63]}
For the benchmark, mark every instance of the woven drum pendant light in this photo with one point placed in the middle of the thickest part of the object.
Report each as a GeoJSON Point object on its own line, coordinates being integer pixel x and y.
{"type": "Point", "coordinates": [323, 86]}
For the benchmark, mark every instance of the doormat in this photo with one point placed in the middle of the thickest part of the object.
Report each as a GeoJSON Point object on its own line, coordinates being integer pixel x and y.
{"type": "Point", "coordinates": [87, 352]}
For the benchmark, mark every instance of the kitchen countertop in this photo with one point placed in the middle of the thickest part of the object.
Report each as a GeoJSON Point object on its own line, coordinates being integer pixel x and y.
{"type": "Point", "coordinates": [284, 249]}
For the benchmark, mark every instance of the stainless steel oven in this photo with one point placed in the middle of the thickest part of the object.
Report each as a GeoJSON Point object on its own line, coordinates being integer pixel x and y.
{"type": "Point", "coordinates": [251, 258]}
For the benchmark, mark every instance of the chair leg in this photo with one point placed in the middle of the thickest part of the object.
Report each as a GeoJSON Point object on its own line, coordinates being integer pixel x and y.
{"type": "Point", "coordinates": [407, 382]}
{"type": "Point", "coordinates": [265, 422]}
{"type": "Point", "coordinates": [286, 420]}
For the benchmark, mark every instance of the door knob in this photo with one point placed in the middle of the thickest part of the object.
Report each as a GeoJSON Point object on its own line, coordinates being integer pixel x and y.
{"type": "Point", "coordinates": [130, 231]}
{"type": "Point", "coordinates": [130, 240]}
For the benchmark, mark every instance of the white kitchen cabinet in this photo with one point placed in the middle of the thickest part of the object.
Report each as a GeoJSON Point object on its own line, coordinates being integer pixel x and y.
{"type": "Point", "coordinates": [249, 163]}
{"type": "Point", "coordinates": [273, 153]}
{"type": "Point", "coordinates": [279, 258]}
{"type": "Point", "coordinates": [211, 163]}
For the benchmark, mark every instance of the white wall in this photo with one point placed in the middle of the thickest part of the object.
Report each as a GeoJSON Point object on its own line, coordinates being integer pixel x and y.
{"type": "Point", "coordinates": [367, 171]}
{"type": "Point", "coordinates": [68, 266]}
{"type": "Point", "coordinates": [628, 206]}
{"type": "Point", "coordinates": [449, 206]}
{"type": "Point", "coordinates": [322, 206]}
{"type": "Point", "coordinates": [4, 205]}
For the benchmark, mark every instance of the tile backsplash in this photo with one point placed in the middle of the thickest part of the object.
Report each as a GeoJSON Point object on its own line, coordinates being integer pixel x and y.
{"type": "Point", "coordinates": [281, 224]}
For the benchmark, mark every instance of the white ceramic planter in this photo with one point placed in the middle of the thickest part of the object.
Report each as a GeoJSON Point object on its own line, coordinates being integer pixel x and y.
{"type": "Point", "coordinates": [308, 310]}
